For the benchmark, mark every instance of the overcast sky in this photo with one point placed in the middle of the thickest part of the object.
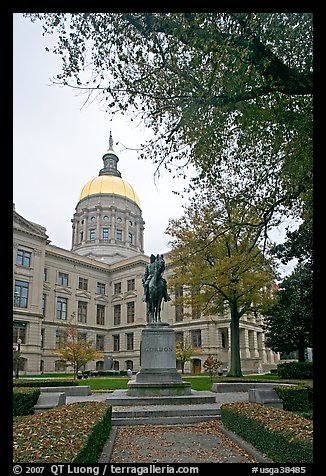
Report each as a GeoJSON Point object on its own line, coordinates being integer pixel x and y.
{"type": "Point", "coordinates": [58, 146]}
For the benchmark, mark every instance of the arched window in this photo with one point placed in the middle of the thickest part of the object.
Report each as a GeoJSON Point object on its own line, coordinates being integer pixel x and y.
{"type": "Point", "coordinates": [115, 365]}
{"type": "Point", "coordinates": [99, 365]}
{"type": "Point", "coordinates": [129, 365]}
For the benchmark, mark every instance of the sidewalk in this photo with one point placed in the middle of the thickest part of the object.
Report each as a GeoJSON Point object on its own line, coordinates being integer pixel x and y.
{"type": "Point", "coordinates": [203, 442]}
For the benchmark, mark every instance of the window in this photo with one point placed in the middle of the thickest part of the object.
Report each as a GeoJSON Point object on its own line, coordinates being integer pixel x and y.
{"type": "Point", "coordinates": [178, 307]}
{"type": "Point", "coordinates": [195, 307]}
{"type": "Point", "coordinates": [116, 343]}
{"type": "Point", "coordinates": [105, 234]}
{"type": "Point", "coordinates": [117, 288]}
{"type": "Point", "coordinates": [19, 332]}
{"type": "Point", "coordinates": [130, 312]}
{"type": "Point", "coordinates": [100, 342]}
{"type": "Point", "coordinates": [21, 293]}
{"type": "Point", "coordinates": [224, 339]}
{"type": "Point", "coordinates": [100, 313]}
{"type": "Point", "coordinates": [81, 235]}
{"type": "Point", "coordinates": [130, 238]}
{"type": "Point", "coordinates": [82, 336]}
{"type": "Point", "coordinates": [82, 312]}
{"type": "Point", "coordinates": [42, 338]}
{"type": "Point", "coordinates": [62, 308]}
{"type": "Point", "coordinates": [179, 337]}
{"type": "Point", "coordinates": [24, 258]}
{"type": "Point", "coordinates": [100, 288]}
{"type": "Point", "coordinates": [92, 234]}
{"type": "Point", "coordinates": [63, 279]}
{"type": "Point", "coordinates": [45, 274]}
{"type": "Point", "coordinates": [117, 314]}
{"type": "Point", "coordinates": [99, 365]}
{"type": "Point", "coordinates": [59, 339]}
{"type": "Point", "coordinates": [196, 338]}
{"type": "Point", "coordinates": [129, 365]}
{"type": "Point", "coordinates": [118, 235]}
{"type": "Point", "coordinates": [130, 285]}
{"type": "Point", "coordinates": [83, 284]}
{"type": "Point", "coordinates": [105, 217]}
{"type": "Point", "coordinates": [43, 305]}
{"type": "Point", "coordinates": [130, 341]}
{"type": "Point", "coordinates": [93, 218]}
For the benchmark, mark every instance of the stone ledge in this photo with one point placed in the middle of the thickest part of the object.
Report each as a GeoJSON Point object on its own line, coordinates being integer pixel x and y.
{"type": "Point", "coordinates": [244, 386]}
{"type": "Point", "coordinates": [72, 390]}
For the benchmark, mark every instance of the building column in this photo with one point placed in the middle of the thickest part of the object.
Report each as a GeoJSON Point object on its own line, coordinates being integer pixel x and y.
{"type": "Point", "coordinates": [254, 344]}
{"type": "Point", "coordinates": [244, 344]}
{"type": "Point", "coordinates": [261, 347]}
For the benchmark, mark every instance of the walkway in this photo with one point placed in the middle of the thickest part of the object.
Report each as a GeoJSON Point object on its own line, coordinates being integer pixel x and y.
{"type": "Point", "coordinates": [204, 442]}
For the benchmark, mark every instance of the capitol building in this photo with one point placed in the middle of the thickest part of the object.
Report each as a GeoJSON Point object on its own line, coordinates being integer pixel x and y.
{"type": "Point", "coordinates": [97, 286]}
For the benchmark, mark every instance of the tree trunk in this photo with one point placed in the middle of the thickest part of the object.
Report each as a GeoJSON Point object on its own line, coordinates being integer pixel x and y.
{"type": "Point", "coordinates": [235, 361]}
{"type": "Point", "coordinates": [301, 348]}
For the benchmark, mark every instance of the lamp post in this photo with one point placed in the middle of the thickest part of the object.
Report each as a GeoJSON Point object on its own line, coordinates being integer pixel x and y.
{"type": "Point", "coordinates": [19, 341]}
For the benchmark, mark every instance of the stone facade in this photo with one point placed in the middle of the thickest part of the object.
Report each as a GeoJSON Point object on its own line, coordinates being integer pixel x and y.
{"type": "Point", "coordinates": [60, 283]}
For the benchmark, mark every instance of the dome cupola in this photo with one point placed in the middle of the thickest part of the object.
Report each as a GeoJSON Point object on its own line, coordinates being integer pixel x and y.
{"type": "Point", "coordinates": [108, 223]}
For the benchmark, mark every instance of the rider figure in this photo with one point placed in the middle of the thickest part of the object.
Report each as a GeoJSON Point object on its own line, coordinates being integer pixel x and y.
{"type": "Point", "coordinates": [149, 272]}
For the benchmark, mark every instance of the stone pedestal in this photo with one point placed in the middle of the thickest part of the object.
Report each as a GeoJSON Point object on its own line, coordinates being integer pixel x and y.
{"type": "Point", "coordinates": [158, 374]}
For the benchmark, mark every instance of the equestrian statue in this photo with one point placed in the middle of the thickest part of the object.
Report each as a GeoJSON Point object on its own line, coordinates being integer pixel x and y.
{"type": "Point", "coordinates": [155, 288]}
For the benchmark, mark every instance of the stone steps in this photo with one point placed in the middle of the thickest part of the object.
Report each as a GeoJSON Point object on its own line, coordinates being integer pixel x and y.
{"type": "Point", "coordinates": [121, 398]}
{"type": "Point", "coordinates": [162, 410]}
{"type": "Point", "coordinates": [164, 414]}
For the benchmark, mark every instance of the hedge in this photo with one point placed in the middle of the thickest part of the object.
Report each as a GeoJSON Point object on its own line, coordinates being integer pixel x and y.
{"type": "Point", "coordinates": [281, 435]}
{"type": "Point", "coordinates": [74, 433]}
{"type": "Point", "coordinates": [44, 383]}
{"type": "Point", "coordinates": [296, 399]}
{"type": "Point", "coordinates": [299, 370]}
{"type": "Point", "coordinates": [24, 400]}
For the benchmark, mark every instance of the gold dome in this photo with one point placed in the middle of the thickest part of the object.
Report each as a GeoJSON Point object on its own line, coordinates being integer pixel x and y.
{"type": "Point", "coordinates": [110, 184]}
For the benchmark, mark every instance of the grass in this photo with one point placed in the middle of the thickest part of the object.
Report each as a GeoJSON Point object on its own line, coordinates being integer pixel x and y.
{"type": "Point", "coordinates": [198, 382]}
{"type": "Point", "coordinates": [105, 383]}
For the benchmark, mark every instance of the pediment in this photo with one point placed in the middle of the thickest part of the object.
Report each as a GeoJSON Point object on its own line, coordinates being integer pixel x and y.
{"type": "Point", "coordinates": [23, 225]}
{"type": "Point", "coordinates": [83, 294]}
{"type": "Point", "coordinates": [63, 290]}
{"type": "Point", "coordinates": [101, 298]}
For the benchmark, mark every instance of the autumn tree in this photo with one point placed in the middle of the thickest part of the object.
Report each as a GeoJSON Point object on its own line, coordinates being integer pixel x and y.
{"type": "Point", "coordinates": [185, 352]}
{"type": "Point", "coordinates": [204, 83]}
{"type": "Point", "coordinates": [212, 366]}
{"type": "Point", "coordinates": [76, 350]}
{"type": "Point", "coordinates": [220, 246]}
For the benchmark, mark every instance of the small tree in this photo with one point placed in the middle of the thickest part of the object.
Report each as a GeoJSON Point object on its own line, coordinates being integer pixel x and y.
{"type": "Point", "coordinates": [212, 366]}
{"type": "Point", "coordinates": [184, 352]}
{"type": "Point", "coordinates": [77, 350]}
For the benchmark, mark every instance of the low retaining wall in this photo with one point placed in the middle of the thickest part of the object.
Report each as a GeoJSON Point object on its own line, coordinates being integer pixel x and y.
{"type": "Point", "coordinates": [224, 387]}
{"type": "Point", "coordinates": [69, 391]}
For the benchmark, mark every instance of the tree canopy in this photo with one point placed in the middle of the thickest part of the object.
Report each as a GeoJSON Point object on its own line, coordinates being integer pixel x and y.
{"type": "Point", "coordinates": [289, 322]}
{"type": "Point", "coordinates": [204, 83]}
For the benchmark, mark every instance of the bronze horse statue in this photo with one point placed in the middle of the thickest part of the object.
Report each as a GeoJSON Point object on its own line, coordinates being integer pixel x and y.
{"type": "Point", "coordinates": [156, 289]}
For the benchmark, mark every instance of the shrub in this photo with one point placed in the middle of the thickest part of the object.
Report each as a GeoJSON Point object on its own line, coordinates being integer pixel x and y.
{"type": "Point", "coordinates": [74, 433]}
{"type": "Point", "coordinates": [299, 370]}
{"type": "Point", "coordinates": [281, 435]}
{"type": "Point", "coordinates": [298, 398]}
{"type": "Point", "coordinates": [24, 400]}
{"type": "Point", "coordinates": [44, 383]}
